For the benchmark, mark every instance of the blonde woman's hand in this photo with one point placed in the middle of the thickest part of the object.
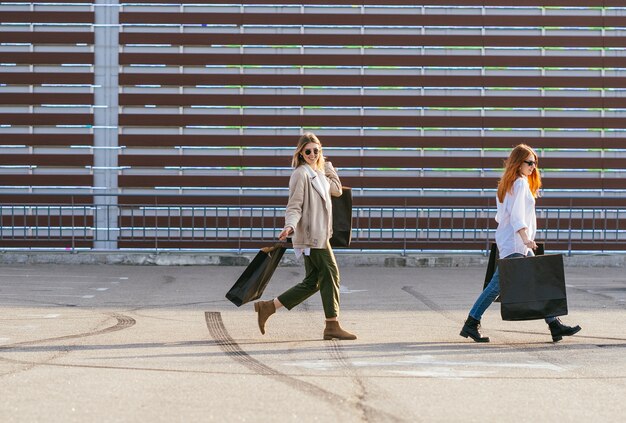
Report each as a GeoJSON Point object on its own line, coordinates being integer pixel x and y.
{"type": "Point", "coordinates": [285, 233]}
{"type": "Point", "coordinates": [329, 170]}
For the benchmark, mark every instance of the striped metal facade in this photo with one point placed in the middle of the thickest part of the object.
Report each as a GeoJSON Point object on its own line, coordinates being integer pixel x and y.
{"type": "Point", "coordinates": [416, 103]}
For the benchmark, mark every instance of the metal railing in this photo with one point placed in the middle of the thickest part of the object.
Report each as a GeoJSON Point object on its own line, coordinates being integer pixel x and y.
{"type": "Point", "coordinates": [77, 225]}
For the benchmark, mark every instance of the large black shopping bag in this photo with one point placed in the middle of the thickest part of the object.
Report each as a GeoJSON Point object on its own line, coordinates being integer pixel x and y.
{"type": "Point", "coordinates": [491, 265]}
{"type": "Point", "coordinates": [342, 219]}
{"type": "Point", "coordinates": [493, 260]}
{"type": "Point", "coordinates": [532, 287]}
{"type": "Point", "coordinates": [254, 279]}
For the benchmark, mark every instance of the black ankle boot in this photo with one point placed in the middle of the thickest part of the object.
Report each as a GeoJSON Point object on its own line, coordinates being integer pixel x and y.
{"type": "Point", "coordinates": [470, 328]}
{"type": "Point", "coordinates": [558, 330]}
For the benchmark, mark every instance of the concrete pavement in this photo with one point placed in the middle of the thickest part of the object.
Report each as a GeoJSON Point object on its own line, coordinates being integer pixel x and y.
{"type": "Point", "coordinates": [161, 344]}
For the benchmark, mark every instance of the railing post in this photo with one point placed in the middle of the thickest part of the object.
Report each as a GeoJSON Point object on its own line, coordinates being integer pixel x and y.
{"type": "Point", "coordinates": [569, 231]}
{"type": "Point", "coordinates": [405, 228]}
{"type": "Point", "coordinates": [73, 226]}
{"type": "Point", "coordinates": [156, 223]}
{"type": "Point", "coordinates": [487, 249]}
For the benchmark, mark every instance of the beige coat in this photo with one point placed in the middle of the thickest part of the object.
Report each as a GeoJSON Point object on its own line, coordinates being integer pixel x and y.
{"type": "Point", "coordinates": [309, 213]}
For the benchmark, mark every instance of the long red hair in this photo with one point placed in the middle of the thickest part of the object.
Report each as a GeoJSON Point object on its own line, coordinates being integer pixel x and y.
{"type": "Point", "coordinates": [512, 167]}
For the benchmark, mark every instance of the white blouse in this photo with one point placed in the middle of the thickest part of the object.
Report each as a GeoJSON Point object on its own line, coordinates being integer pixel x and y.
{"type": "Point", "coordinates": [516, 212]}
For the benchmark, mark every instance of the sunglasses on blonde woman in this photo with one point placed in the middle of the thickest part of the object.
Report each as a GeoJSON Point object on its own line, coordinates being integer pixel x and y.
{"type": "Point", "coordinates": [315, 151]}
{"type": "Point", "coordinates": [530, 162]}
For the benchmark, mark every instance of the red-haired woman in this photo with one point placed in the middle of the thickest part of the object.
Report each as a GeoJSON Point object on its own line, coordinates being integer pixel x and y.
{"type": "Point", "coordinates": [515, 235]}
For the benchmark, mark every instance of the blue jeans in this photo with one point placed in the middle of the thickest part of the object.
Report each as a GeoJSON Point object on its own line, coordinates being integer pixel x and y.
{"type": "Point", "coordinates": [490, 293]}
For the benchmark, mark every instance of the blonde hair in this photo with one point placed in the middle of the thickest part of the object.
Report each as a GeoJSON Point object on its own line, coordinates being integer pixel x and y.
{"type": "Point", "coordinates": [512, 167]}
{"type": "Point", "coordinates": [297, 159]}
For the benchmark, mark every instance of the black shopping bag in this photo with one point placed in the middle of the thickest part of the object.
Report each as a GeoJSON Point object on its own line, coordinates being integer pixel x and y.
{"type": "Point", "coordinates": [493, 259]}
{"type": "Point", "coordinates": [532, 287]}
{"type": "Point", "coordinates": [342, 219]}
{"type": "Point", "coordinates": [491, 265]}
{"type": "Point", "coordinates": [254, 279]}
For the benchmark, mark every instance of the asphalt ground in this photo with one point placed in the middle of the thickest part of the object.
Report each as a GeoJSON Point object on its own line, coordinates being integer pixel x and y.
{"type": "Point", "coordinates": [162, 344]}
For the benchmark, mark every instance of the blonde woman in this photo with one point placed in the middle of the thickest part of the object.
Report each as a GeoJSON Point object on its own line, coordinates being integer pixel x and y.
{"type": "Point", "coordinates": [515, 235]}
{"type": "Point", "coordinates": [308, 220]}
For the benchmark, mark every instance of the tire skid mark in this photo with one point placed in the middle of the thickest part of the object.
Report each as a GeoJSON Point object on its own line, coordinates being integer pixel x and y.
{"type": "Point", "coordinates": [429, 303]}
{"type": "Point", "coordinates": [123, 322]}
{"type": "Point", "coordinates": [230, 347]}
{"type": "Point", "coordinates": [223, 339]}
{"type": "Point", "coordinates": [333, 347]}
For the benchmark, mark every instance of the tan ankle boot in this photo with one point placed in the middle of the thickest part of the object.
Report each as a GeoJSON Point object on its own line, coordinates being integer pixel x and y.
{"type": "Point", "coordinates": [334, 331]}
{"type": "Point", "coordinates": [264, 309]}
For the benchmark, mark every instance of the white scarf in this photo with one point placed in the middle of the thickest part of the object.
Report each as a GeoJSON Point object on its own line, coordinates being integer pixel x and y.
{"type": "Point", "coordinates": [319, 182]}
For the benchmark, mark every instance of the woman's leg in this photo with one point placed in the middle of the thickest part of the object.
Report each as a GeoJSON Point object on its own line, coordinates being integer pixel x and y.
{"type": "Point", "coordinates": [290, 298]}
{"type": "Point", "coordinates": [486, 298]}
{"type": "Point", "coordinates": [329, 290]}
{"type": "Point", "coordinates": [557, 329]}
{"type": "Point", "coordinates": [489, 294]}
{"type": "Point", "coordinates": [328, 281]}
{"type": "Point", "coordinates": [472, 324]}
{"type": "Point", "coordinates": [309, 285]}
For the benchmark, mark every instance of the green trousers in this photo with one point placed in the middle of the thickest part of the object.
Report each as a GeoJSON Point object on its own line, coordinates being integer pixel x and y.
{"type": "Point", "coordinates": [322, 275]}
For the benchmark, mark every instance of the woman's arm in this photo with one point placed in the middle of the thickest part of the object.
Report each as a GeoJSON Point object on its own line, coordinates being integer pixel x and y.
{"type": "Point", "coordinates": [518, 211]}
{"type": "Point", "coordinates": [527, 241]}
{"type": "Point", "coordinates": [333, 179]}
{"type": "Point", "coordinates": [293, 213]}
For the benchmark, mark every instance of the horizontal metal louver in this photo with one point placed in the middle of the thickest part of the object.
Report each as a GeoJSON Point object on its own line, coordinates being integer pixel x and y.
{"type": "Point", "coordinates": [417, 106]}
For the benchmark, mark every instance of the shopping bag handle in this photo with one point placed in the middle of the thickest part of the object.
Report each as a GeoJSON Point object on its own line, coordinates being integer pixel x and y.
{"type": "Point", "coordinates": [274, 247]}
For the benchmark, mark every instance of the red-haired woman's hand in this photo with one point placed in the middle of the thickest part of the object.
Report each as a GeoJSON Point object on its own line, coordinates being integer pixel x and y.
{"type": "Point", "coordinates": [531, 244]}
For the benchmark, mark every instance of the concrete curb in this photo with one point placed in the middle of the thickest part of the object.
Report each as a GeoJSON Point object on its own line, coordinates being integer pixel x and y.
{"type": "Point", "coordinates": [229, 259]}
